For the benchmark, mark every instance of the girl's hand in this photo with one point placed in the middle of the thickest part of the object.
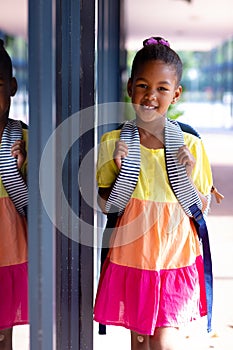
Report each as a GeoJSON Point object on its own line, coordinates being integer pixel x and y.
{"type": "Point", "coordinates": [120, 152]}
{"type": "Point", "coordinates": [186, 158]}
{"type": "Point", "coordinates": [18, 151]}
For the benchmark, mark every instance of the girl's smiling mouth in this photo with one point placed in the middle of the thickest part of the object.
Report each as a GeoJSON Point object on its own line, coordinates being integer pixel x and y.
{"type": "Point", "coordinates": [148, 107]}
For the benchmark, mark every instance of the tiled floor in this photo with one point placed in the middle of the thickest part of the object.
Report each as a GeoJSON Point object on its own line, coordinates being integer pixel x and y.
{"type": "Point", "coordinates": [21, 338]}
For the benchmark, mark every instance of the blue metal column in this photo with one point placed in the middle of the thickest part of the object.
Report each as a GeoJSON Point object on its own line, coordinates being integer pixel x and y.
{"type": "Point", "coordinates": [41, 230]}
{"type": "Point", "coordinates": [75, 70]}
{"type": "Point", "coordinates": [68, 103]}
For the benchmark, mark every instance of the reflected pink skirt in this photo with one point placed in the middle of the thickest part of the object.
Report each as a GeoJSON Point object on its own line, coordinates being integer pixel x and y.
{"type": "Point", "coordinates": [13, 295]}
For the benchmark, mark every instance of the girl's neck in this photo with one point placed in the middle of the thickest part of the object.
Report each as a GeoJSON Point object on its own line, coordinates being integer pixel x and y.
{"type": "Point", "coordinates": [152, 134]}
{"type": "Point", "coordinates": [151, 139]}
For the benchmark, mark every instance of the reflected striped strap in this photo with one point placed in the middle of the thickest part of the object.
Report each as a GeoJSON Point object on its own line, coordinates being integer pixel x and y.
{"type": "Point", "coordinates": [180, 183]}
{"type": "Point", "coordinates": [129, 173]}
{"type": "Point", "coordinates": [10, 174]}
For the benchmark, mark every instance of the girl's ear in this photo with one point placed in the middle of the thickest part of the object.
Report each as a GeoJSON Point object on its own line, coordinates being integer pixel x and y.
{"type": "Point", "coordinates": [129, 87]}
{"type": "Point", "coordinates": [177, 94]}
{"type": "Point", "coordinates": [14, 86]}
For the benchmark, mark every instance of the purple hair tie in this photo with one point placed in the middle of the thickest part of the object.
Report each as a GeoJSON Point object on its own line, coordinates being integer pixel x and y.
{"type": "Point", "coordinates": [155, 41]}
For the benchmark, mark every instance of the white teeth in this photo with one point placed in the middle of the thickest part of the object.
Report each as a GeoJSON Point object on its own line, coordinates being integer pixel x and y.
{"type": "Point", "coordinates": [149, 107]}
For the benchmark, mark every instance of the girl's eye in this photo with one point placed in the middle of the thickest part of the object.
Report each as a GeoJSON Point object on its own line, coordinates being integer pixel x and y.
{"type": "Point", "coordinates": [143, 86]}
{"type": "Point", "coordinates": [162, 88]}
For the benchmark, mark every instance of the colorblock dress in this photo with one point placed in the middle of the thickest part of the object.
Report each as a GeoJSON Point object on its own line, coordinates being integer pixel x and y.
{"type": "Point", "coordinates": [13, 261]}
{"type": "Point", "coordinates": [153, 275]}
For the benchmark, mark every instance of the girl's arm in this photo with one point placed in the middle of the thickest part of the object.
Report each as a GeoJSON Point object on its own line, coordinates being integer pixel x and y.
{"type": "Point", "coordinates": [102, 197]}
{"type": "Point", "coordinates": [202, 197]}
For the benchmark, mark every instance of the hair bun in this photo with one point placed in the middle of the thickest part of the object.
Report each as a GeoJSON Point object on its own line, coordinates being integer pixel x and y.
{"type": "Point", "coordinates": [156, 40]}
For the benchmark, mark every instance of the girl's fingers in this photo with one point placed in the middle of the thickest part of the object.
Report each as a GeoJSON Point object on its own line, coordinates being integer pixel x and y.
{"type": "Point", "coordinates": [18, 151]}
{"type": "Point", "coordinates": [186, 158]}
{"type": "Point", "coordinates": [120, 152]}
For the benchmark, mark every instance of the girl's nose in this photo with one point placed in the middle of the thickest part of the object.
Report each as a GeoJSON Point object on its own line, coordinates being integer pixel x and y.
{"type": "Point", "coordinates": [151, 94]}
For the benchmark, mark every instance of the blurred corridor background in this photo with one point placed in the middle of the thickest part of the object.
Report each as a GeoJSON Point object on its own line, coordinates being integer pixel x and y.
{"type": "Point", "coordinates": [202, 33]}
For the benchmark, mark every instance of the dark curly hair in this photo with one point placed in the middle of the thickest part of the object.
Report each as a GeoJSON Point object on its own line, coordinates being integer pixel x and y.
{"type": "Point", "coordinates": [157, 48]}
{"type": "Point", "coordinates": [5, 60]}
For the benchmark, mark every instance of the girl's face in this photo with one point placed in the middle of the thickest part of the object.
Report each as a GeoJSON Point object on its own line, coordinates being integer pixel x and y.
{"type": "Point", "coordinates": [8, 87]}
{"type": "Point", "coordinates": [152, 90]}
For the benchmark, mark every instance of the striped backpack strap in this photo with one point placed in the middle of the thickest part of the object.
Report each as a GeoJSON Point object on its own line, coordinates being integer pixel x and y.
{"type": "Point", "coordinates": [129, 172]}
{"type": "Point", "coordinates": [188, 198]}
{"type": "Point", "coordinates": [10, 174]}
{"type": "Point", "coordinates": [179, 181]}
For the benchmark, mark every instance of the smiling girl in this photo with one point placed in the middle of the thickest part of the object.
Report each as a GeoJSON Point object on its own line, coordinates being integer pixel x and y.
{"type": "Point", "coordinates": [152, 281]}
